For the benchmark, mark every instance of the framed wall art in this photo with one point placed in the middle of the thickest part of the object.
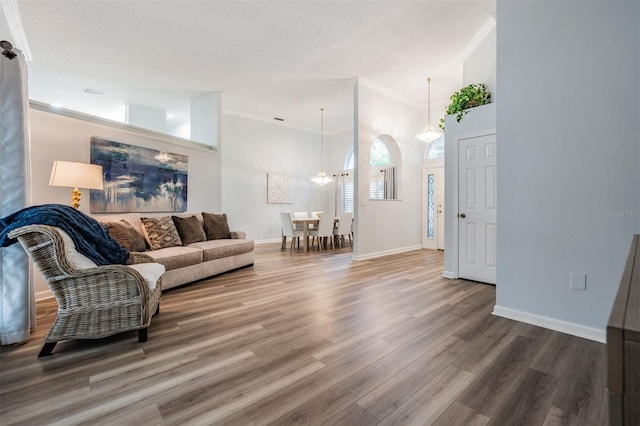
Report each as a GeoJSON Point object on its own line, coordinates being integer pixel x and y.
{"type": "Point", "coordinates": [138, 179]}
{"type": "Point", "coordinates": [278, 188]}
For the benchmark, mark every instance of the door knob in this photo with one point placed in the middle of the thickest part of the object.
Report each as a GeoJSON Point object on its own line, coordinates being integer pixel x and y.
{"type": "Point", "coordinates": [462, 215]}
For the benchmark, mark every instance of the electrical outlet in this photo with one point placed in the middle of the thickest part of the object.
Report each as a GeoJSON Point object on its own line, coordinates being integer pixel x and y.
{"type": "Point", "coordinates": [578, 281]}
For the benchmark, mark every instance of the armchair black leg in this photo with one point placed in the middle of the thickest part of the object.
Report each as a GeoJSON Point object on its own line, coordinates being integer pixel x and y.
{"type": "Point", "coordinates": [142, 335]}
{"type": "Point", "coordinates": [46, 349]}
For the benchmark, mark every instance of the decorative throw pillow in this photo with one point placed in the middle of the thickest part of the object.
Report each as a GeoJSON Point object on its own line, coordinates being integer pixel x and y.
{"type": "Point", "coordinates": [216, 226]}
{"type": "Point", "coordinates": [190, 229]}
{"type": "Point", "coordinates": [126, 235]}
{"type": "Point", "coordinates": [160, 232]}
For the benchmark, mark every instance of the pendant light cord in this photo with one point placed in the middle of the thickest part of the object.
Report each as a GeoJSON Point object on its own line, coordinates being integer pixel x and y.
{"type": "Point", "coordinates": [321, 138]}
{"type": "Point", "coordinates": [429, 100]}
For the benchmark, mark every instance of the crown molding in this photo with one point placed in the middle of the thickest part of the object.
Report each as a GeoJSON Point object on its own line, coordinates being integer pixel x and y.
{"type": "Point", "coordinates": [279, 123]}
{"type": "Point", "coordinates": [268, 120]}
{"type": "Point", "coordinates": [388, 92]}
{"type": "Point", "coordinates": [477, 38]}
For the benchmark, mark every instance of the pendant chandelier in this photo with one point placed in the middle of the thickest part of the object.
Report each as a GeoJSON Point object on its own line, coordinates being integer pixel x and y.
{"type": "Point", "coordinates": [431, 132]}
{"type": "Point", "coordinates": [321, 178]}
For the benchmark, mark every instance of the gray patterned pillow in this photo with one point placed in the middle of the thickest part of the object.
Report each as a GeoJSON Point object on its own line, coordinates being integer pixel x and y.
{"type": "Point", "coordinates": [160, 232]}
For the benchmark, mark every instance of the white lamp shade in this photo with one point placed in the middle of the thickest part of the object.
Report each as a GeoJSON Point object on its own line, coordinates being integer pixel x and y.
{"type": "Point", "coordinates": [76, 175]}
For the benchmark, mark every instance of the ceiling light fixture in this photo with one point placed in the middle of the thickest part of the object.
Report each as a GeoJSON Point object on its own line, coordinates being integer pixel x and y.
{"type": "Point", "coordinates": [321, 178]}
{"type": "Point", "coordinates": [430, 133]}
{"type": "Point", "coordinates": [88, 91]}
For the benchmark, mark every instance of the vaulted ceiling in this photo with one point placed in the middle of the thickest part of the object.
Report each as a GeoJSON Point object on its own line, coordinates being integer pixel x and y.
{"type": "Point", "coordinates": [269, 58]}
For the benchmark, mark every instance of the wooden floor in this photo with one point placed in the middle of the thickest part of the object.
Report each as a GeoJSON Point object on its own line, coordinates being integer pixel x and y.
{"type": "Point", "coordinates": [314, 338]}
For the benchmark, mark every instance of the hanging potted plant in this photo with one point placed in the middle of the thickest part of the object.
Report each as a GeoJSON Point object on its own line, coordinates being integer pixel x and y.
{"type": "Point", "coordinates": [469, 96]}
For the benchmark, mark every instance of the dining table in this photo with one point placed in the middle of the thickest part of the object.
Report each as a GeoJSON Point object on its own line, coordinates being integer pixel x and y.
{"type": "Point", "coordinates": [306, 221]}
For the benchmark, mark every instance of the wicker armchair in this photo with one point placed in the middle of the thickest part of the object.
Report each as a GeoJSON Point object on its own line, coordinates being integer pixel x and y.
{"type": "Point", "coordinates": [94, 302]}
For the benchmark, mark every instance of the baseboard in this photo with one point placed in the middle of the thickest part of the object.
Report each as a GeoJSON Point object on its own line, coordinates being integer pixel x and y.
{"type": "Point", "coordinates": [574, 329]}
{"type": "Point", "coordinates": [274, 240]}
{"type": "Point", "coordinates": [43, 295]}
{"type": "Point", "coordinates": [448, 274]}
{"type": "Point", "coordinates": [386, 253]}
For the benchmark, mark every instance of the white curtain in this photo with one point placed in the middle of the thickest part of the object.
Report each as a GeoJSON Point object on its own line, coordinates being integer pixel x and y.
{"type": "Point", "coordinates": [390, 183]}
{"type": "Point", "coordinates": [17, 299]}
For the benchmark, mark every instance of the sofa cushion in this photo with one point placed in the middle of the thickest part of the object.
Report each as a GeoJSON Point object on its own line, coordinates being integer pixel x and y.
{"type": "Point", "coordinates": [215, 226]}
{"type": "Point", "coordinates": [217, 249]}
{"type": "Point", "coordinates": [151, 272]}
{"type": "Point", "coordinates": [176, 257]}
{"type": "Point", "coordinates": [238, 235]}
{"type": "Point", "coordinates": [160, 232]}
{"type": "Point", "coordinates": [190, 229]}
{"type": "Point", "coordinates": [126, 235]}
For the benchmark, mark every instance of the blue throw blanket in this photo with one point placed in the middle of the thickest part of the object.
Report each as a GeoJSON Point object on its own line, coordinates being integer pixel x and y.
{"type": "Point", "coordinates": [89, 236]}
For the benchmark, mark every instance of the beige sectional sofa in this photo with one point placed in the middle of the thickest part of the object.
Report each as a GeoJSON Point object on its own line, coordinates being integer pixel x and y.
{"type": "Point", "coordinates": [196, 260]}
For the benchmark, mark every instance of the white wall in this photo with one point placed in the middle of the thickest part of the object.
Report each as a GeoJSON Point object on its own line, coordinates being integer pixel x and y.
{"type": "Point", "coordinates": [480, 65]}
{"type": "Point", "coordinates": [206, 113]}
{"type": "Point", "coordinates": [250, 150]}
{"type": "Point", "coordinates": [146, 117]}
{"type": "Point", "coordinates": [55, 137]}
{"type": "Point", "coordinates": [387, 226]}
{"type": "Point", "coordinates": [569, 146]}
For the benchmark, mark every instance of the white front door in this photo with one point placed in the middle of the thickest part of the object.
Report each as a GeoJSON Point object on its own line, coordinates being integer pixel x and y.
{"type": "Point", "coordinates": [477, 209]}
{"type": "Point", "coordinates": [433, 208]}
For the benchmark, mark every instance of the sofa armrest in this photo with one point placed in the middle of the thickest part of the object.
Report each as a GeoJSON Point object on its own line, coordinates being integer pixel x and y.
{"type": "Point", "coordinates": [238, 235]}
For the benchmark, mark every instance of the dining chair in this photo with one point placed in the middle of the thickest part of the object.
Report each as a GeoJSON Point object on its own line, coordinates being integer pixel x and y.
{"type": "Point", "coordinates": [344, 228]}
{"type": "Point", "coordinates": [324, 230]}
{"type": "Point", "coordinates": [299, 215]}
{"type": "Point", "coordinates": [315, 215]}
{"type": "Point", "coordinates": [289, 231]}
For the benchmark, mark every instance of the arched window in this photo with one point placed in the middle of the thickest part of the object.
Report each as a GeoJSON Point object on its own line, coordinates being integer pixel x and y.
{"type": "Point", "coordinates": [380, 156]}
{"type": "Point", "coordinates": [345, 184]}
{"type": "Point", "coordinates": [435, 149]}
{"type": "Point", "coordinates": [383, 166]}
{"type": "Point", "coordinates": [349, 164]}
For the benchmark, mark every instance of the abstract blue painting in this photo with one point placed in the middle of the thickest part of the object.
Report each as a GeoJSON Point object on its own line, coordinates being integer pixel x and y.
{"type": "Point", "coordinates": [138, 179]}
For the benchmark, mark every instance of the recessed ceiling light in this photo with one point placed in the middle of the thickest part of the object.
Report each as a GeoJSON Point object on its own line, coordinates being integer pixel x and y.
{"type": "Point", "coordinates": [94, 92]}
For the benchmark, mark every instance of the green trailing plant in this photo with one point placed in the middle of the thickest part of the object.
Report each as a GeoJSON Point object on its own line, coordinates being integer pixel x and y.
{"type": "Point", "coordinates": [469, 96]}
